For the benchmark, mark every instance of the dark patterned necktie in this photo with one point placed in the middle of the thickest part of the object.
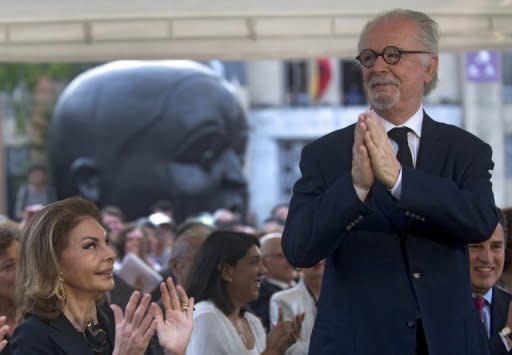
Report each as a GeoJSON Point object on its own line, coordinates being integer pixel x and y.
{"type": "Point", "coordinates": [399, 135]}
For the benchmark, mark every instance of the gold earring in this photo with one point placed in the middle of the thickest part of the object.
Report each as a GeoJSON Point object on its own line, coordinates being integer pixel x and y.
{"type": "Point", "coordinates": [60, 292]}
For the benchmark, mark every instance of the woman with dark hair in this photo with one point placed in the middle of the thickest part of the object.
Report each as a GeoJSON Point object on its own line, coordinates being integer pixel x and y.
{"type": "Point", "coordinates": [225, 277]}
{"type": "Point", "coordinates": [65, 269]}
{"type": "Point", "coordinates": [9, 237]}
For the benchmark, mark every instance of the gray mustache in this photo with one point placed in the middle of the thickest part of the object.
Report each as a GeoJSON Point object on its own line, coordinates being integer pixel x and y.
{"type": "Point", "coordinates": [380, 80]}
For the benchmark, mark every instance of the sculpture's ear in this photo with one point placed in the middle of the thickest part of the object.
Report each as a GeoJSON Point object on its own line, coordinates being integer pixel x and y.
{"type": "Point", "coordinates": [85, 177]}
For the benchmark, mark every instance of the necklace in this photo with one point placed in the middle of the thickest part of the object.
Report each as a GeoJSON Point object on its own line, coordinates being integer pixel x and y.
{"type": "Point", "coordinates": [240, 327]}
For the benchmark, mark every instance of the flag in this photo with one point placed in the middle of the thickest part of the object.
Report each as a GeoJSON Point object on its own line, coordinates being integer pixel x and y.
{"type": "Point", "coordinates": [321, 74]}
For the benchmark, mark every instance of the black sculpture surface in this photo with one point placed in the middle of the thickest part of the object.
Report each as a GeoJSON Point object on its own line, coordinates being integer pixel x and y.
{"type": "Point", "coordinates": [129, 133]}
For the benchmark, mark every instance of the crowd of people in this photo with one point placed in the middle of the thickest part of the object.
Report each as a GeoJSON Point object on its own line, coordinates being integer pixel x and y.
{"type": "Point", "coordinates": [70, 282]}
{"type": "Point", "coordinates": [389, 246]}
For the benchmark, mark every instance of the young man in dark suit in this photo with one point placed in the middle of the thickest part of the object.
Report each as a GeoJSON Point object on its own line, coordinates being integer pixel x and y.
{"type": "Point", "coordinates": [493, 302]}
{"type": "Point", "coordinates": [393, 214]}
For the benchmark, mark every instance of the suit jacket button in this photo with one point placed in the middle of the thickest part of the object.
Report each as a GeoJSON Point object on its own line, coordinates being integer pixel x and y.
{"type": "Point", "coordinates": [416, 275]}
{"type": "Point", "coordinates": [411, 324]}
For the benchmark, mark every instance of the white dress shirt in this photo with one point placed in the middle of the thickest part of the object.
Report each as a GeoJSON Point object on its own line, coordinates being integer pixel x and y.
{"type": "Point", "coordinates": [486, 317]}
{"type": "Point", "coordinates": [292, 302]}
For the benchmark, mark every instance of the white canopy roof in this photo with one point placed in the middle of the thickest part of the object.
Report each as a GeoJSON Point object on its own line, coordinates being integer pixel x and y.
{"type": "Point", "coordinates": [94, 30]}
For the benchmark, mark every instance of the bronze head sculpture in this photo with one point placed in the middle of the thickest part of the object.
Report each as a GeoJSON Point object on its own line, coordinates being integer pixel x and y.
{"type": "Point", "coordinates": [129, 133]}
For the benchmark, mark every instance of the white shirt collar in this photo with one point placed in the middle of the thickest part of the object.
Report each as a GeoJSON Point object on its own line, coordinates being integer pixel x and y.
{"type": "Point", "coordinates": [414, 123]}
{"type": "Point", "coordinates": [487, 296]}
{"type": "Point", "coordinates": [279, 283]}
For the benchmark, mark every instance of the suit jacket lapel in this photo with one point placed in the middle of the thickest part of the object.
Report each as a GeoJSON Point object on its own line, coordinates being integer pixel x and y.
{"type": "Point", "coordinates": [67, 338]}
{"type": "Point", "coordinates": [499, 310]}
{"type": "Point", "coordinates": [432, 145]}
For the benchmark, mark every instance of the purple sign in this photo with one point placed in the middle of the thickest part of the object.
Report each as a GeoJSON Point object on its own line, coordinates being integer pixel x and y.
{"type": "Point", "coordinates": [483, 66]}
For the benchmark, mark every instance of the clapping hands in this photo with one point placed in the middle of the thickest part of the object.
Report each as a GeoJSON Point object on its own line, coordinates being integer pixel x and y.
{"type": "Point", "coordinates": [373, 157]}
{"type": "Point", "coordinates": [175, 326]}
{"type": "Point", "coordinates": [284, 333]}
{"type": "Point", "coordinates": [142, 318]}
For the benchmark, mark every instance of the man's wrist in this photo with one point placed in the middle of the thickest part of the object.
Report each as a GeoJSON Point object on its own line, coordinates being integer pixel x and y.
{"type": "Point", "coordinates": [392, 183]}
{"type": "Point", "coordinates": [361, 192]}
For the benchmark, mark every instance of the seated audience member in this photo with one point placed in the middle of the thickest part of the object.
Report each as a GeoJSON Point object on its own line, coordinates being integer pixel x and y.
{"type": "Point", "coordinates": [280, 211]}
{"type": "Point", "coordinates": [36, 192]}
{"type": "Point", "coordinates": [246, 228]}
{"type": "Point", "coordinates": [28, 213]}
{"type": "Point", "coordinates": [132, 239]}
{"type": "Point", "coordinates": [164, 206]}
{"type": "Point", "coordinates": [506, 278]}
{"type": "Point", "coordinates": [225, 276]}
{"type": "Point", "coordinates": [300, 299]}
{"type": "Point", "coordinates": [9, 237]}
{"type": "Point", "coordinates": [189, 239]}
{"type": "Point", "coordinates": [160, 240]}
{"type": "Point", "coordinates": [112, 218]}
{"type": "Point", "coordinates": [280, 275]}
{"type": "Point", "coordinates": [493, 302]}
{"type": "Point", "coordinates": [272, 224]}
{"type": "Point", "coordinates": [67, 266]}
{"type": "Point", "coordinates": [225, 219]}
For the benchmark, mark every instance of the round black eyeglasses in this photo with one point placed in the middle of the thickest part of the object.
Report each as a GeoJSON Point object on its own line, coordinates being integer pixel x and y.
{"type": "Point", "coordinates": [390, 54]}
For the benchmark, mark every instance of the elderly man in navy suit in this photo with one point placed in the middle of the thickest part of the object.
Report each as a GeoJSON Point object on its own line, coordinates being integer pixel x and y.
{"type": "Point", "coordinates": [392, 202]}
{"type": "Point", "coordinates": [492, 301]}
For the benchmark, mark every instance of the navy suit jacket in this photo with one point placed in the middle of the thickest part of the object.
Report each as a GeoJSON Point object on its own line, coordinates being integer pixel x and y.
{"type": "Point", "coordinates": [58, 337]}
{"type": "Point", "coordinates": [392, 261]}
{"type": "Point", "coordinates": [499, 310]}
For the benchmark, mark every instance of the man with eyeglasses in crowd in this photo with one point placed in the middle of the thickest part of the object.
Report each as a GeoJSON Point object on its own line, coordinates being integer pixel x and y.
{"type": "Point", "coordinates": [279, 276]}
{"type": "Point", "coordinates": [392, 202]}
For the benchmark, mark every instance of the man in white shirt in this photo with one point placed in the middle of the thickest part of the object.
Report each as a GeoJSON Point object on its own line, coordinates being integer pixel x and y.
{"type": "Point", "coordinates": [300, 299]}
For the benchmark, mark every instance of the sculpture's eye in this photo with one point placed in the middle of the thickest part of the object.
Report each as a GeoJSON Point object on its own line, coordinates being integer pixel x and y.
{"type": "Point", "coordinates": [203, 150]}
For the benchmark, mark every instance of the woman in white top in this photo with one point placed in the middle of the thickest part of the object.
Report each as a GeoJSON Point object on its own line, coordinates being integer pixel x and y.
{"type": "Point", "coordinates": [225, 277]}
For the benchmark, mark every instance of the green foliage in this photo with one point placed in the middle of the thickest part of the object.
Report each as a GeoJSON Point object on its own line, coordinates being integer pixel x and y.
{"type": "Point", "coordinates": [12, 74]}
{"type": "Point", "coordinates": [19, 81]}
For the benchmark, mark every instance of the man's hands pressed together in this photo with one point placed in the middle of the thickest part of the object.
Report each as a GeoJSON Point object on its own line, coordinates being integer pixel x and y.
{"type": "Point", "coordinates": [373, 157]}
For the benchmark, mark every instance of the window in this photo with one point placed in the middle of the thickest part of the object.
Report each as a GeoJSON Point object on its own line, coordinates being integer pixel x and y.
{"type": "Point", "coordinates": [297, 83]}
{"type": "Point", "coordinates": [506, 67]}
{"type": "Point", "coordinates": [351, 84]}
{"type": "Point", "coordinates": [508, 155]}
{"type": "Point", "coordinates": [289, 172]}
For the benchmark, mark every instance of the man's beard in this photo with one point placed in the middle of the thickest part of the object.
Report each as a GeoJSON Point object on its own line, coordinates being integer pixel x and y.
{"type": "Point", "coordinates": [382, 102]}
